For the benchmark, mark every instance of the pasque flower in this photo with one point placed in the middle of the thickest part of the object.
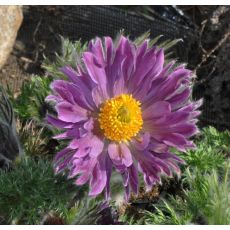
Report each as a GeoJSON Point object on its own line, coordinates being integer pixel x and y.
{"type": "Point", "coordinates": [123, 108]}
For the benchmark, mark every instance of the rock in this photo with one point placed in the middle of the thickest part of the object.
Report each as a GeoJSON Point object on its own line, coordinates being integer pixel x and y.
{"type": "Point", "coordinates": [11, 19]}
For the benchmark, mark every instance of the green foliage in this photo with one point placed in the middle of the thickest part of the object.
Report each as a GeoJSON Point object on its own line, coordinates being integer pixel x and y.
{"type": "Point", "coordinates": [30, 104]}
{"type": "Point", "coordinates": [218, 207]}
{"type": "Point", "coordinates": [31, 189]}
{"type": "Point", "coordinates": [197, 195]}
{"type": "Point", "coordinates": [89, 211]}
{"type": "Point", "coordinates": [133, 220]}
{"type": "Point", "coordinates": [220, 141]}
{"type": "Point", "coordinates": [207, 201]}
{"type": "Point", "coordinates": [166, 213]}
{"type": "Point", "coordinates": [211, 149]}
{"type": "Point", "coordinates": [70, 55]}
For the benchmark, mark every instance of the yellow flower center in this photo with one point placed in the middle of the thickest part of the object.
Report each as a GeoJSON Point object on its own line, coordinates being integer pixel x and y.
{"type": "Point", "coordinates": [120, 118]}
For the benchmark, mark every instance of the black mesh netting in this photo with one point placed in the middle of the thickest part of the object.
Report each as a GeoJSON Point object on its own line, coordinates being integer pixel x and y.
{"type": "Point", "coordinates": [42, 26]}
{"type": "Point", "coordinates": [85, 22]}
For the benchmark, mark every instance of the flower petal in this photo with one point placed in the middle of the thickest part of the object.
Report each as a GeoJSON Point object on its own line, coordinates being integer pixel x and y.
{"type": "Point", "coordinates": [142, 141]}
{"type": "Point", "coordinates": [99, 178]}
{"type": "Point", "coordinates": [133, 178]}
{"type": "Point", "coordinates": [96, 72]}
{"type": "Point", "coordinates": [156, 110]}
{"type": "Point", "coordinates": [87, 145]}
{"type": "Point", "coordinates": [58, 123]}
{"type": "Point", "coordinates": [120, 154]}
{"type": "Point", "coordinates": [71, 113]}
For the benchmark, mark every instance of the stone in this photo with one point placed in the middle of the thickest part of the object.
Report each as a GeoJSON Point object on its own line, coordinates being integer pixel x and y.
{"type": "Point", "coordinates": [11, 19]}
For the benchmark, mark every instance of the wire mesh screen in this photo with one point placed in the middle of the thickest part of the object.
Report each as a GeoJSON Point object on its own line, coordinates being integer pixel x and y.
{"type": "Point", "coordinates": [87, 22]}
{"type": "Point", "coordinates": [41, 29]}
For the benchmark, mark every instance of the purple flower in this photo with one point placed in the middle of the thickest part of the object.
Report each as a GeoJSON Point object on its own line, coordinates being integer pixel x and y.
{"type": "Point", "coordinates": [123, 108]}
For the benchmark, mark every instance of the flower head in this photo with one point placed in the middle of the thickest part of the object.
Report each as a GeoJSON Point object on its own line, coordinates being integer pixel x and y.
{"type": "Point", "coordinates": [123, 108]}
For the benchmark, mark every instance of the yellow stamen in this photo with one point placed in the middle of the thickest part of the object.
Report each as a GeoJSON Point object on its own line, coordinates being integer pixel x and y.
{"type": "Point", "coordinates": [120, 118]}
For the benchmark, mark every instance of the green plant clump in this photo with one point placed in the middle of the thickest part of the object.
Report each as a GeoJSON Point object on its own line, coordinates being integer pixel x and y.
{"type": "Point", "coordinates": [70, 56]}
{"type": "Point", "coordinates": [30, 190]}
{"type": "Point", "coordinates": [212, 148]}
{"type": "Point", "coordinates": [30, 104]}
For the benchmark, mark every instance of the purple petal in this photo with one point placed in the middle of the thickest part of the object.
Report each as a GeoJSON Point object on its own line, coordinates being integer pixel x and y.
{"type": "Point", "coordinates": [82, 179]}
{"type": "Point", "coordinates": [80, 97]}
{"type": "Point", "coordinates": [81, 81]}
{"type": "Point", "coordinates": [89, 144]}
{"type": "Point", "coordinates": [120, 154]}
{"type": "Point", "coordinates": [163, 89]}
{"type": "Point", "coordinates": [97, 49]}
{"type": "Point", "coordinates": [96, 72]}
{"type": "Point", "coordinates": [60, 86]}
{"type": "Point", "coordinates": [97, 96]}
{"type": "Point", "coordinates": [127, 193]}
{"type": "Point", "coordinates": [99, 177]}
{"type": "Point", "coordinates": [75, 132]}
{"type": "Point", "coordinates": [58, 123]}
{"type": "Point", "coordinates": [114, 71]}
{"type": "Point", "coordinates": [186, 129]}
{"type": "Point", "coordinates": [156, 110]}
{"type": "Point", "coordinates": [119, 87]}
{"type": "Point", "coordinates": [177, 100]}
{"type": "Point", "coordinates": [142, 142]}
{"type": "Point", "coordinates": [109, 50]}
{"type": "Point", "coordinates": [71, 113]}
{"type": "Point", "coordinates": [108, 168]}
{"type": "Point", "coordinates": [71, 93]}
{"type": "Point", "coordinates": [158, 65]}
{"type": "Point", "coordinates": [133, 178]}
{"type": "Point", "coordinates": [61, 154]}
{"type": "Point", "coordinates": [143, 65]}
{"type": "Point", "coordinates": [175, 140]}
{"type": "Point", "coordinates": [158, 147]}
